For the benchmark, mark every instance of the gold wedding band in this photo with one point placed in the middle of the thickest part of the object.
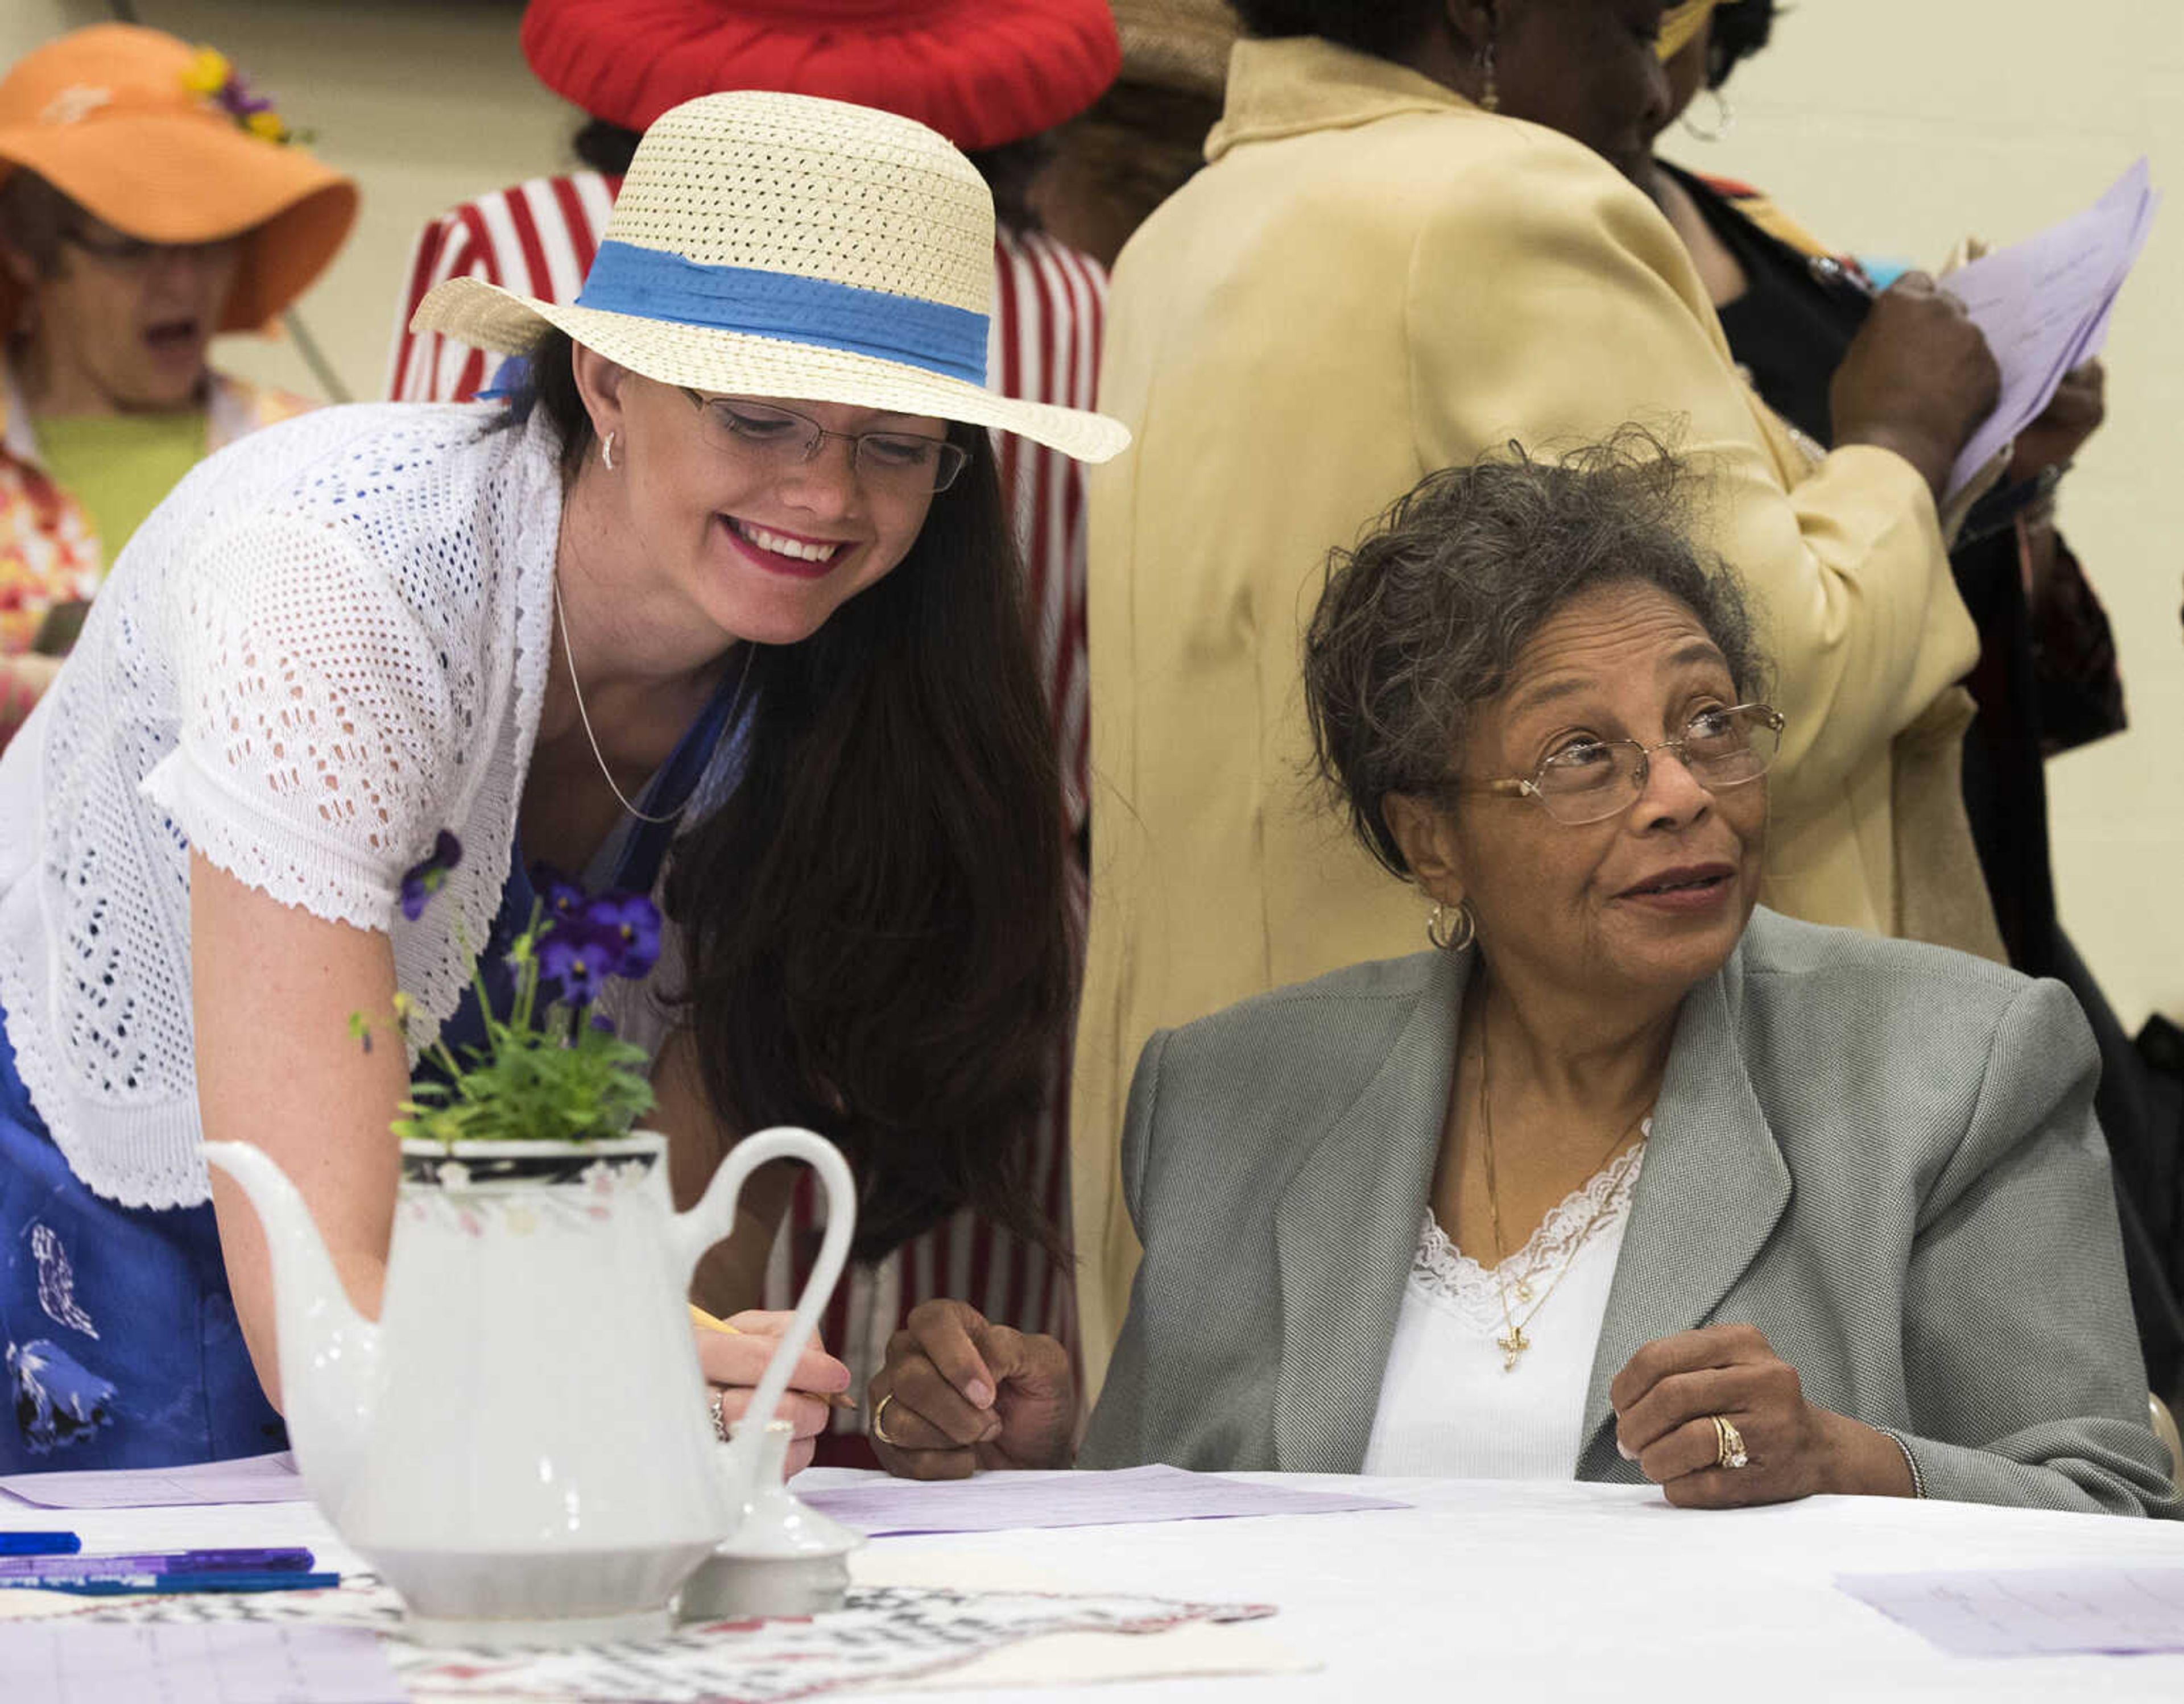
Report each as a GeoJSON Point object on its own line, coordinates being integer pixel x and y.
{"type": "Point", "coordinates": [879, 1430]}
{"type": "Point", "coordinates": [1729, 1444]}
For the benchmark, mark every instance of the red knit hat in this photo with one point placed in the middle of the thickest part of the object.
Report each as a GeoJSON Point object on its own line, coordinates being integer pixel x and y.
{"type": "Point", "coordinates": [981, 72]}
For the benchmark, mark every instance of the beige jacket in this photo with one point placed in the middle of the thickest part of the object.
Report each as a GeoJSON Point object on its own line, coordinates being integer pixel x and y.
{"type": "Point", "coordinates": [1374, 279]}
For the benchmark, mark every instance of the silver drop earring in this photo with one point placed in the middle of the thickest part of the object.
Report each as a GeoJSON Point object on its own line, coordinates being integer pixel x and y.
{"type": "Point", "coordinates": [606, 451]}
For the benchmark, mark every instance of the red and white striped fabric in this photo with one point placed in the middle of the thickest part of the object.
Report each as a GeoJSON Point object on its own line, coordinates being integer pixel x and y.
{"type": "Point", "coordinates": [537, 238]}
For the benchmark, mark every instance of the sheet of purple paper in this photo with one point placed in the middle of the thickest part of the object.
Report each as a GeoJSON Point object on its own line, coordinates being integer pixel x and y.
{"type": "Point", "coordinates": [73, 1662]}
{"type": "Point", "coordinates": [2044, 303]}
{"type": "Point", "coordinates": [2097, 338]}
{"type": "Point", "coordinates": [1005, 1502]}
{"type": "Point", "coordinates": [252, 1479]}
{"type": "Point", "coordinates": [2125, 1610]}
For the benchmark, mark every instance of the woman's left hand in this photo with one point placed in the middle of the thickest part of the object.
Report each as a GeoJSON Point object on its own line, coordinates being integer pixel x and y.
{"type": "Point", "coordinates": [2075, 414]}
{"type": "Point", "coordinates": [1666, 1400]}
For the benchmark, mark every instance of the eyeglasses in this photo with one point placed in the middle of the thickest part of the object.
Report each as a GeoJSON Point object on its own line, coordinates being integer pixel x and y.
{"type": "Point", "coordinates": [899, 462]}
{"type": "Point", "coordinates": [1597, 779]}
{"type": "Point", "coordinates": [133, 255]}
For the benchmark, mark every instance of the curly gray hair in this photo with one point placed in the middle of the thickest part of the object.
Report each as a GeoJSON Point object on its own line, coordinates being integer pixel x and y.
{"type": "Point", "coordinates": [1423, 622]}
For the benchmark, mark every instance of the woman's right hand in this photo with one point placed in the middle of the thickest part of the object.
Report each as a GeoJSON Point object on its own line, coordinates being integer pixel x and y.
{"type": "Point", "coordinates": [959, 1393]}
{"type": "Point", "coordinates": [734, 1361]}
{"type": "Point", "coordinates": [1918, 379]}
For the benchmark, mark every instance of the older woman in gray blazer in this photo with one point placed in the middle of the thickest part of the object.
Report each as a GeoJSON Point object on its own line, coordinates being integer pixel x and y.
{"type": "Point", "coordinates": [1625, 1179]}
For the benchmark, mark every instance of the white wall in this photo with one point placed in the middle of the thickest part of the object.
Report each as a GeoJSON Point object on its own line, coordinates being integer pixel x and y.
{"type": "Point", "coordinates": [1894, 126]}
{"type": "Point", "coordinates": [1888, 126]}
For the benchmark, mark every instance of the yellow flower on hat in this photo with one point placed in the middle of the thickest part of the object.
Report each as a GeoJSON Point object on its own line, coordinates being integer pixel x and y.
{"type": "Point", "coordinates": [267, 125]}
{"type": "Point", "coordinates": [208, 72]}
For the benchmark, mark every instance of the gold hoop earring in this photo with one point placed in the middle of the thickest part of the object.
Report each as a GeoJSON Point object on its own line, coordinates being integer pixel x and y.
{"type": "Point", "coordinates": [1490, 92]}
{"type": "Point", "coordinates": [1452, 928]}
{"type": "Point", "coordinates": [606, 451]}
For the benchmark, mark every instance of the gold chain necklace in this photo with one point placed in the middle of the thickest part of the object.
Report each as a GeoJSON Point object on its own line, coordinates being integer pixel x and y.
{"type": "Point", "coordinates": [1513, 1342]}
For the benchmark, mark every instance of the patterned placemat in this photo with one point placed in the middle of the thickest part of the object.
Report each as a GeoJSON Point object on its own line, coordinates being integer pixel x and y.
{"type": "Point", "coordinates": [883, 1636]}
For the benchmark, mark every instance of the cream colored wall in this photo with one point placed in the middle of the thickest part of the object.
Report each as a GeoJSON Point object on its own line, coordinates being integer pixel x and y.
{"type": "Point", "coordinates": [1888, 127]}
{"type": "Point", "coordinates": [1892, 127]}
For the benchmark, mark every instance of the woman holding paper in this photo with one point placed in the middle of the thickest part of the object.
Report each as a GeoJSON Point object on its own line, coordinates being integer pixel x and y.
{"type": "Point", "coordinates": [2046, 680]}
{"type": "Point", "coordinates": [1419, 235]}
{"type": "Point", "coordinates": [1629, 1178]}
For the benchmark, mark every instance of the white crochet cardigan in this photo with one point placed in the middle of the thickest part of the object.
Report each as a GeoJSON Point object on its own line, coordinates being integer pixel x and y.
{"type": "Point", "coordinates": [329, 644]}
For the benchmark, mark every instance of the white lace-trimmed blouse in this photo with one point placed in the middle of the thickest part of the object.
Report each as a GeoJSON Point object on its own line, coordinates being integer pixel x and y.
{"type": "Point", "coordinates": [1449, 1407]}
{"type": "Point", "coordinates": [329, 644]}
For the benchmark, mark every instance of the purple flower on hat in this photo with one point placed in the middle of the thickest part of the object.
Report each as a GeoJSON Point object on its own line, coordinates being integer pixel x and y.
{"type": "Point", "coordinates": [423, 880]}
{"type": "Point", "coordinates": [213, 78]}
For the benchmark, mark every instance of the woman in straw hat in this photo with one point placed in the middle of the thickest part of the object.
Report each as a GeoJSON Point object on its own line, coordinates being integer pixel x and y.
{"type": "Point", "coordinates": [726, 592]}
{"type": "Point", "coordinates": [147, 200]}
{"type": "Point", "coordinates": [995, 77]}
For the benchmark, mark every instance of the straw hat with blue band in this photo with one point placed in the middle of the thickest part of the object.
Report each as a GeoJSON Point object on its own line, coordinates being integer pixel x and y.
{"type": "Point", "coordinates": [782, 246]}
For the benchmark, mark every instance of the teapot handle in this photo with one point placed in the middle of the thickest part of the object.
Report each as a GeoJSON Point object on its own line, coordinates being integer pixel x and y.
{"type": "Point", "coordinates": [714, 1216]}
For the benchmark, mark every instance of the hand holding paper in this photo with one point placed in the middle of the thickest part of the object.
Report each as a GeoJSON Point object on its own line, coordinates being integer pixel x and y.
{"type": "Point", "coordinates": [2045, 305]}
{"type": "Point", "coordinates": [2073, 414]}
{"type": "Point", "coordinates": [1918, 379]}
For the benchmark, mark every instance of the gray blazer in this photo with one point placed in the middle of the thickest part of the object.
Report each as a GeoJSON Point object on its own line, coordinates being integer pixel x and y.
{"type": "Point", "coordinates": [1882, 1155]}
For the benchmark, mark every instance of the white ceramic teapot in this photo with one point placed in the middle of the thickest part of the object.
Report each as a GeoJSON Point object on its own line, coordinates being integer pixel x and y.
{"type": "Point", "coordinates": [521, 1446]}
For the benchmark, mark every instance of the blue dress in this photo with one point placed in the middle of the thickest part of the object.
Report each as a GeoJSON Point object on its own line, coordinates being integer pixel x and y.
{"type": "Point", "coordinates": [122, 1344]}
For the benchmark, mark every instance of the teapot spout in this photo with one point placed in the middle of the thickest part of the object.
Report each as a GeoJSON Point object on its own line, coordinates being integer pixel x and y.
{"type": "Point", "coordinates": [329, 1351]}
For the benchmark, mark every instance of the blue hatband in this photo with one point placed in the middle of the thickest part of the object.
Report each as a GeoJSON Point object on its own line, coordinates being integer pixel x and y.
{"type": "Point", "coordinates": [654, 284]}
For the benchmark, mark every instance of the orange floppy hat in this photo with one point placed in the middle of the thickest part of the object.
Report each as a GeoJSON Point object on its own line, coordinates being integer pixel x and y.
{"type": "Point", "coordinates": [120, 120]}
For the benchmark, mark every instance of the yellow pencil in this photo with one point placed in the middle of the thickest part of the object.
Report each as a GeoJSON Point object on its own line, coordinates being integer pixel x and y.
{"type": "Point", "coordinates": [705, 1321]}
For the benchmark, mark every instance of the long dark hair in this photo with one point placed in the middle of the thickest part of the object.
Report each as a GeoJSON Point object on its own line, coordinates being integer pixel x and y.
{"type": "Point", "coordinates": [874, 919]}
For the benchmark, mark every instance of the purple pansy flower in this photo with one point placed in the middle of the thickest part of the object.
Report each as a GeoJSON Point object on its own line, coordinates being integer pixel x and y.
{"type": "Point", "coordinates": [579, 959]}
{"type": "Point", "coordinates": [633, 920]}
{"type": "Point", "coordinates": [423, 880]}
{"type": "Point", "coordinates": [561, 895]}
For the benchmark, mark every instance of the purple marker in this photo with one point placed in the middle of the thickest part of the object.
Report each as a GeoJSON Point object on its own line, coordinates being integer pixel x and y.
{"type": "Point", "coordinates": [161, 1562]}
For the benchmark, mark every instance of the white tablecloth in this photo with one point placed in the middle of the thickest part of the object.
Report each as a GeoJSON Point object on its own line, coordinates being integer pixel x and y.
{"type": "Point", "coordinates": [1513, 1592]}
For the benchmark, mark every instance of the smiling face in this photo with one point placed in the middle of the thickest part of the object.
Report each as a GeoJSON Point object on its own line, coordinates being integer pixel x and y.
{"type": "Point", "coordinates": [767, 549]}
{"type": "Point", "coordinates": [1589, 68]}
{"type": "Point", "coordinates": [1643, 904]}
{"type": "Point", "coordinates": [119, 325]}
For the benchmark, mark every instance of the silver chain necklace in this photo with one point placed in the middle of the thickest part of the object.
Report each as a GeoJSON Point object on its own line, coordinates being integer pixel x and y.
{"type": "Point", "coordinates": [562, 618]}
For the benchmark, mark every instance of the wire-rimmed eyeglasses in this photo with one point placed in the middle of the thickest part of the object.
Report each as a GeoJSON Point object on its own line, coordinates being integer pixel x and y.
{"type": "Point", "coordinates": [1598, 779]}
{"type": "Point", "coordinates": [133, 255]}
{"type": "Point", "coordinates": [897, 461]}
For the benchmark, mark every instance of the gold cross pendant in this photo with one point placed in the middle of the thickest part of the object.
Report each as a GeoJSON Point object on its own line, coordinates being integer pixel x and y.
{"type": "Point", "coordinates": [1512, 1345]}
